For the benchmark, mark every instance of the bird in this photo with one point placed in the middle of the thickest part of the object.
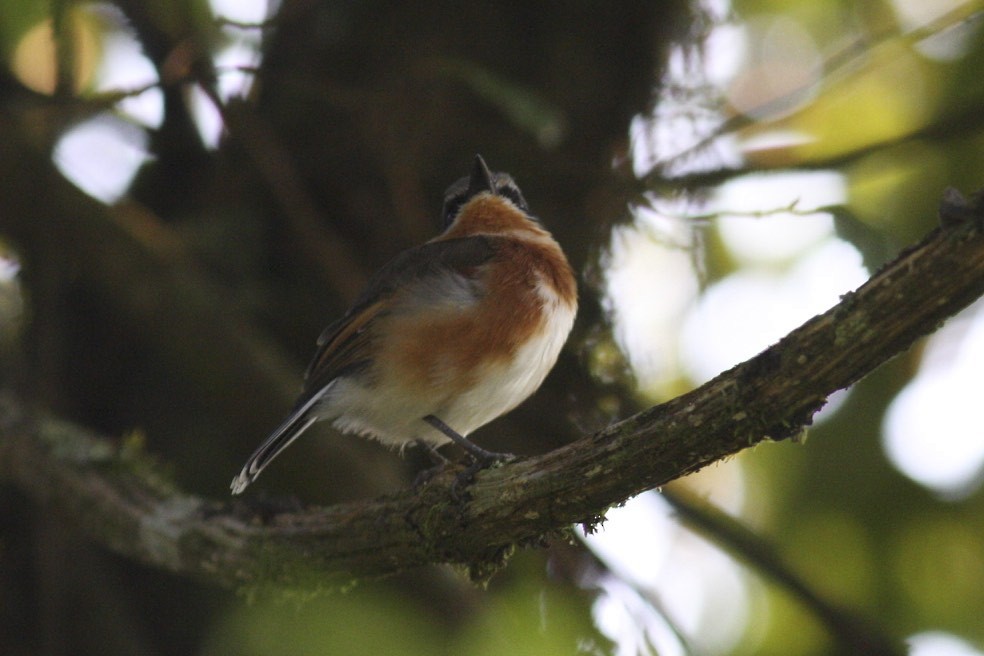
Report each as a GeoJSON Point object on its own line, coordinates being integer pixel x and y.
{"type": "Point", "coordinates": [446, 337]}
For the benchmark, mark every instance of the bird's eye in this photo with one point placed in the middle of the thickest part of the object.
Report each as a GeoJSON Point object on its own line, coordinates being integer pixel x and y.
{"type": "Point", "coordinates": [512, 193]}
{"type": "Point", "coordinates": [451, 208]}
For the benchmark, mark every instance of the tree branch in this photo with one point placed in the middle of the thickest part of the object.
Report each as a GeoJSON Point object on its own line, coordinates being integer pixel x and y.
{"type": "Point", "coordinates": [856, 635]}
{"type": "Point", "coordinates": [122, 501]}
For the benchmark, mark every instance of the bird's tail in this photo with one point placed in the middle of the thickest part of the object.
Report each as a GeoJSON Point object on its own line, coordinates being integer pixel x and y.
{"type": "Point", "coordinates": [299, 421]}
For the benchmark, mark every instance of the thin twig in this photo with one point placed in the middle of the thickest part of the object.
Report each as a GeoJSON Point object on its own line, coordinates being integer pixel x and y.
{"type": "Point", "coordinates": [856, 635]}
{"type": "Point", "coordinates": [837, 64]}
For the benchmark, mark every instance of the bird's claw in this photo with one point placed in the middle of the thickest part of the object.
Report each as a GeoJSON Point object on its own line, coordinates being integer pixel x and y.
{"type": "Point", "coordinates": [467, 476]}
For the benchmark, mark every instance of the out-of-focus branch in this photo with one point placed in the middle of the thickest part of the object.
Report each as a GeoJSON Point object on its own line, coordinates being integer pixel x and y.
{"type": "Point", "coordinates": [835, 67]}
{"type": "Point", "coordinates": [855, 635]}
{"type": "Point", "coordinates": [149, 280]}
{"type": "Point", "coordinates": [123, 503]}
{"type": "Point", "coordinates": [328, 252]}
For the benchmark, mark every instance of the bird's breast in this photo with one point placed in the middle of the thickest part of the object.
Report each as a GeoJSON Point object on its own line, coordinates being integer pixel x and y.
{"type": "Point", "coordinates": [486, 353]}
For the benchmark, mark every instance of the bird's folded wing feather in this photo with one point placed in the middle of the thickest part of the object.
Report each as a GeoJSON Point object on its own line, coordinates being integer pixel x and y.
{"type": "Point", "coordinates": [345, 344]}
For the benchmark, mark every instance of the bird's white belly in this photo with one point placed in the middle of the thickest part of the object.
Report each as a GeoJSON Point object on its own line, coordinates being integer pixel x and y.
{"type": "Point", "coordinates": [393, 416]}
{"type": "Point", "coordinates": [505, 385]}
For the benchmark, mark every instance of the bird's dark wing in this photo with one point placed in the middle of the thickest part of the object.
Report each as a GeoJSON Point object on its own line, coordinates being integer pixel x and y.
{"type": "Point", "coordinates": [425, 271]}
{"type": "Point", "coordinates": [439, 272]}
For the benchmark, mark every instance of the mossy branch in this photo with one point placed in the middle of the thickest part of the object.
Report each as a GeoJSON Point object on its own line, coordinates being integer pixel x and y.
{"type": "Point", "coordinates": [123, 503]}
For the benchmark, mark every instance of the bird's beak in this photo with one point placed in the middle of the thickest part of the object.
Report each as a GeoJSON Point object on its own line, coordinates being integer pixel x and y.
{"type": "Point", "coordinates": [481, 178]}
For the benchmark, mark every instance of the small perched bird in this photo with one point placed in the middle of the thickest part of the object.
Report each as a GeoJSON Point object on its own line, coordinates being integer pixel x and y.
{"type": "Point", "coordinates": [447, 336]}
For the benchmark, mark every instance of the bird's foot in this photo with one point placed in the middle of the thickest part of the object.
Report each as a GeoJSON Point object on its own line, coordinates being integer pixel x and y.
{"type": "Point", "coordinates": [467, 476]}
{"type": "Point", "coordinates": [439, 464]}
{"type": "Point", "coordinates": [481, 458]}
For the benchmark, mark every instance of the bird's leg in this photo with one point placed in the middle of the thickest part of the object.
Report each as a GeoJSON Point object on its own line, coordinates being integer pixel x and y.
{"type": "Point", "coordinates": [476, 452]}
{"type": "Point", "coordinates": [480, 457]}
{"type": "Point", "coordinates": [436, 458]}
{"type": "Point", "coordinates": [438, 461]}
